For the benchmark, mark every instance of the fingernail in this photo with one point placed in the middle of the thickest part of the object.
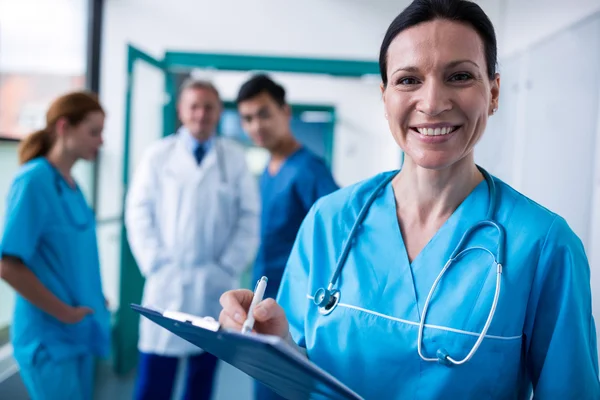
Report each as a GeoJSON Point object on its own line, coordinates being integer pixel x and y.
{"type": "Point", "coordinates": [238, 318]}
{"type": "Point", "coordinates": [260, 312]}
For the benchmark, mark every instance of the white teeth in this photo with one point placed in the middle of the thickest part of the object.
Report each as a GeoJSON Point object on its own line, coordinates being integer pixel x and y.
{"type": "Point", "coordinates": [436, 132]}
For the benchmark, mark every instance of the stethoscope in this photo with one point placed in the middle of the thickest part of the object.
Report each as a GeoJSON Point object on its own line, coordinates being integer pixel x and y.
{"type": "Point", "coordinates": [221, 162]}
{"type": "Point", "coordinates": [59, 184]}
{"type": "Point", "coordinates": [328, 299]}
{"type": "Point", "coordinates": [59, 181]}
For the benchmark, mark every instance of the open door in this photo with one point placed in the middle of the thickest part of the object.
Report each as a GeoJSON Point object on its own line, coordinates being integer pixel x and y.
{"type": "Point", "coordinates": [144, 107]}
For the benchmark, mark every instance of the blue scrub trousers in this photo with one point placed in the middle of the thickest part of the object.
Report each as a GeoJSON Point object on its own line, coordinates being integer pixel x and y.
{"type": "Point", "coordinates": [156, 377]}
{"type": "Point", "coordinates": [47, 379]}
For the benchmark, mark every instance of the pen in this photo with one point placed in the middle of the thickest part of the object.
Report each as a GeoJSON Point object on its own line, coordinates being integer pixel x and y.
{"type": "Point", "coordinates": [259, 293]}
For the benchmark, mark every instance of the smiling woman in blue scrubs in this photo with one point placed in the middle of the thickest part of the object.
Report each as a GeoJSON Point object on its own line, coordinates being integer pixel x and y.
{"type": "Point", "coordinates": [50, 256]}
{"type": "Point", "coordinates": [399, 275]}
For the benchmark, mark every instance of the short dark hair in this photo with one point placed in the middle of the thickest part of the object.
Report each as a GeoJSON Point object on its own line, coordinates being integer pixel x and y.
{"type": "Point", "coordinates": [464, 11]}
{"type": "Point", "coordinates": [258, 84]}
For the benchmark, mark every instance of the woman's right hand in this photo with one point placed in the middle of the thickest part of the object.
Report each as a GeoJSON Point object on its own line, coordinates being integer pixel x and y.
{"type": "Point", "coordinates": [74, 315]}
{"type": "Point", "coordinates": [269, 316]}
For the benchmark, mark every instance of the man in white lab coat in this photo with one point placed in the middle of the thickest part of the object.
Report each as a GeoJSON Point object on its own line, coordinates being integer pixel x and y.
{"type": "Point", "coordinates": [192, 219]}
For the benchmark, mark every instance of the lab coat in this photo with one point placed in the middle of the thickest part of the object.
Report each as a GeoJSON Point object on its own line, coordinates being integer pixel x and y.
{"type": "Point", "coordinates": [542, 336]}
{"type": "Point", "coordinates": [192, 230]}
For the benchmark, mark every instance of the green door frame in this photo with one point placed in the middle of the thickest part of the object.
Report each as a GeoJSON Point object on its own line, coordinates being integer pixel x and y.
{"type": "Point", "coordinates": [244, 63]}
{"type": "Point", "coordinates": [125, 332]}
{"type": "Point", "coordinates": [125, 329]}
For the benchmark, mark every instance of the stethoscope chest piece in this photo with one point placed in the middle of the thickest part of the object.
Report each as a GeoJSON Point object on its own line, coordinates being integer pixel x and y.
{"type": "Point", "coordinates": [443, 356]}
{"type": "Point", "coordinates": [327, 300]}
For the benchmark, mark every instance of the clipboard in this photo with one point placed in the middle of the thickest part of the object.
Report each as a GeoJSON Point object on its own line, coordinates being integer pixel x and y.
{"type": "Point", "coordinates": [266, 358]}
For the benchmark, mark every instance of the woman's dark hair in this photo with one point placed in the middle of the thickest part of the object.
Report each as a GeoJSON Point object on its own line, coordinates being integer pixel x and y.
{"type": "Point", "coordinates": [259, 84]}
{"type": "Point", "coordinates": [463, 11]}
{"type": "Point", "coordinates": [75, 107]}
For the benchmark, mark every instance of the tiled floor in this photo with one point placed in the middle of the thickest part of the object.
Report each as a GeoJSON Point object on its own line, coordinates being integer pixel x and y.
{"type": "Point", "coordinates": [13, 389]}
{"type": "Point", "coordinates": [11, 386]}
{"type": "Point", "coordinates": [231, 384]}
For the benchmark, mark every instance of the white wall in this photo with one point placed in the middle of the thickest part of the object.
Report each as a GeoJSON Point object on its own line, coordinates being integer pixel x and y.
{"type": "Point", "coordinates": [526, 22]}
{"type": "Point", "coordinates": [33, 42]}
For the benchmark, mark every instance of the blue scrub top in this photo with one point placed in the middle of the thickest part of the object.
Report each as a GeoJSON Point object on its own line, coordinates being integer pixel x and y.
{"type": "Point", "coordinates": [542, 337]}
{"type": "Point", "coordinates": [287, 197]}
{"type": "Point", "coordinates": [50, 227]}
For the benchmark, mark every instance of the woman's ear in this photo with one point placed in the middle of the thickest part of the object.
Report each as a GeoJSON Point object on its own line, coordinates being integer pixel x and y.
{"type": "Point", "coordinates": [61, 126]}
{"type": "Point", "coordinates": [495, 93]}
{"type": "Point", "coordinates": [382, 88]}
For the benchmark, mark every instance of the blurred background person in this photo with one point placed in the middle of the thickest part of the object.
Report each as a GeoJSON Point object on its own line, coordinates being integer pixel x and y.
{"type": "Point", "coordinates": [50, 256]}
{"type": "Point", "coordinates": [192, 223]}
{"type": "Point", "coordinates": [291, 183]}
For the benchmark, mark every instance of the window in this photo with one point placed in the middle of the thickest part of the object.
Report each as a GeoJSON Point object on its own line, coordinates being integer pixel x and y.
{"type": "Point", "coordinates": [41, 57]}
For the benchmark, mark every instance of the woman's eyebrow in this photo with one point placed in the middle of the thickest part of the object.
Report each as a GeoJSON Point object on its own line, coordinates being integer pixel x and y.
{"type": "Point", "coordinates": [452, 64]}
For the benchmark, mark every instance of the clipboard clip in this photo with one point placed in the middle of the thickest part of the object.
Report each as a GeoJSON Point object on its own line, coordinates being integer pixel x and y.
{"type": "Point", "coordinates": [208, 323]}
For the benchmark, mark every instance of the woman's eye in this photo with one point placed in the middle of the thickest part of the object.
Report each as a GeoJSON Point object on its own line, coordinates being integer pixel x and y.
{"type": "Point", "coordinates": [461, 77]}
{"type": "Point", "coordinates": [407, 81]}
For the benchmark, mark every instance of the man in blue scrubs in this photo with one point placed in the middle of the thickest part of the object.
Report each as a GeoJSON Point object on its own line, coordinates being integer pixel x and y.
{"type": "Point", "coordinates": [293, 180]}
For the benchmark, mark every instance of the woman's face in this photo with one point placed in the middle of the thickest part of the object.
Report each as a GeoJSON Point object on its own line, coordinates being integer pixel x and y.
{"type": "Point", "coordinates": [83, 141]}
{"type": "Point", "coordinates": [439, 96]}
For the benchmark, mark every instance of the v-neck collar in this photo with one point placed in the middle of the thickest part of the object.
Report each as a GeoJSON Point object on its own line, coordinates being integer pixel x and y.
{"type": "Point", "coordinates": [430, 261]}
{"type": "Point", "coordinates": [60, 178]}
{"type": "Point", "coordinates": [283, 164]}
{"type": "Point", "coordinates": [470, 210]}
